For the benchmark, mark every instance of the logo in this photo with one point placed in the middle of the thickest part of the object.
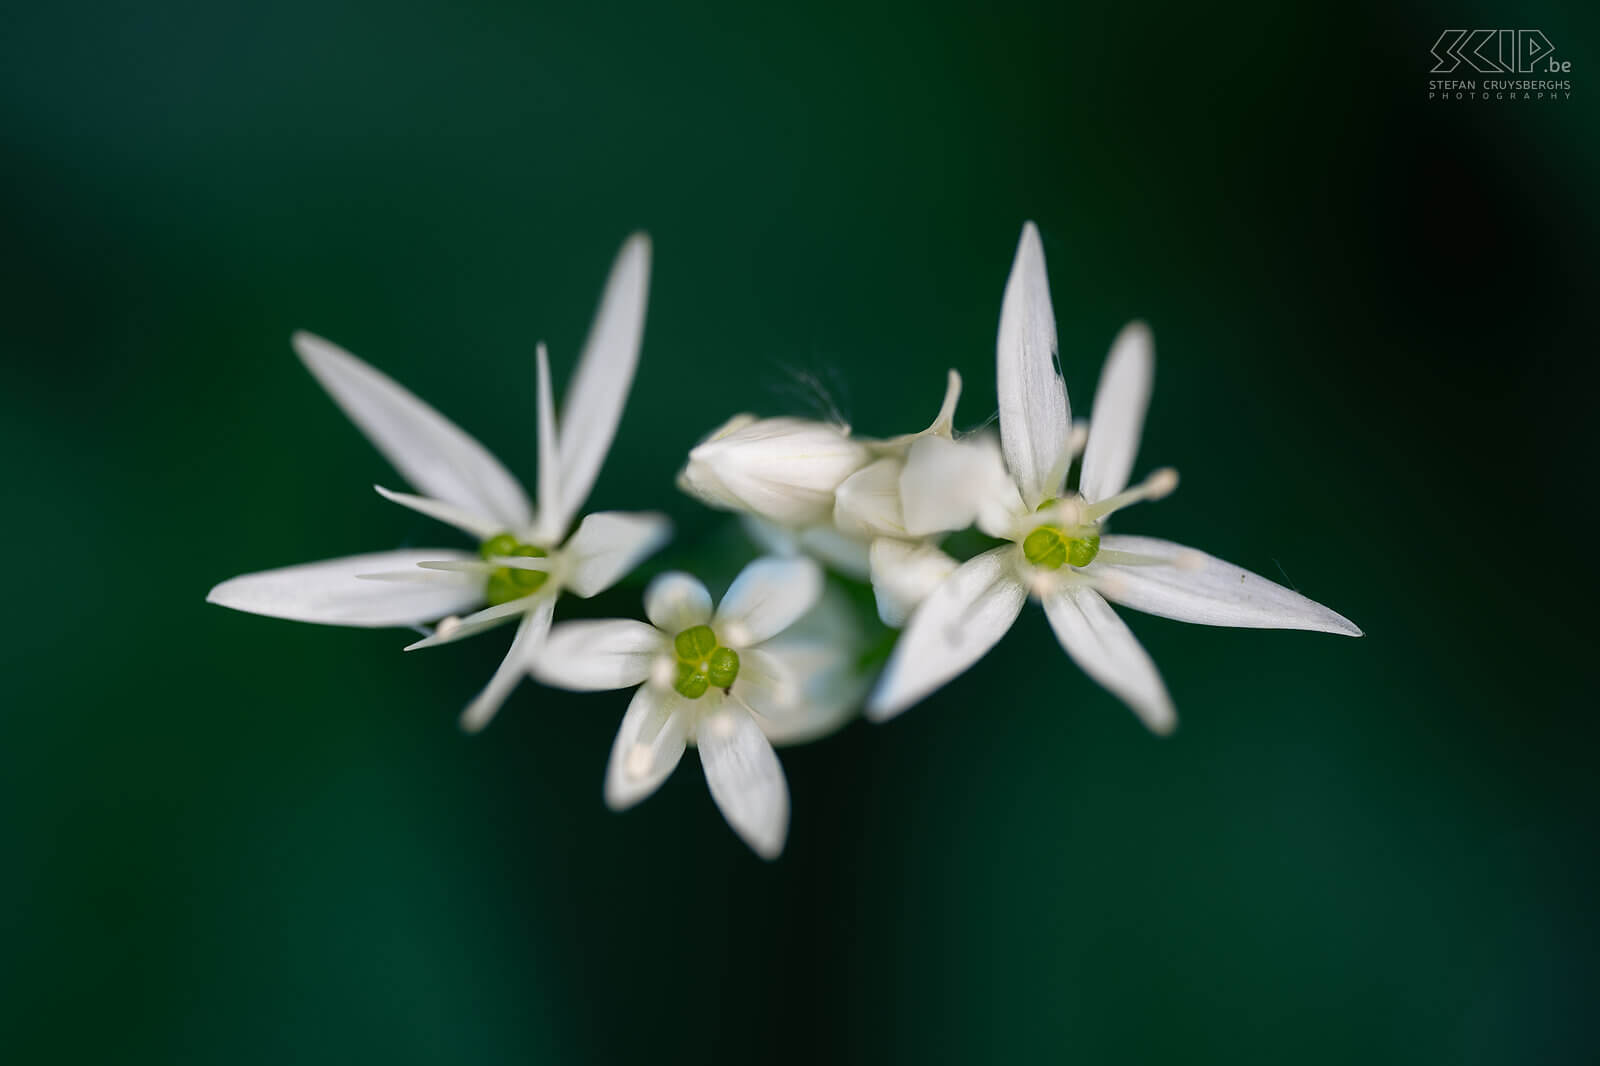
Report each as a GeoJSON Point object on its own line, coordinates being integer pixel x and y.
{"type": "Point", "coordinates": [1497, 52]}
{"type": "Point", "coordinates": [1466, 53]}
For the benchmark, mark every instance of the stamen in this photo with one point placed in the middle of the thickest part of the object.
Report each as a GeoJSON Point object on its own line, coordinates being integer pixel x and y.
{"type": "Point", "coordinates": [1159, 484]}
{"type": "Point", "coordinates": [1078, 439]}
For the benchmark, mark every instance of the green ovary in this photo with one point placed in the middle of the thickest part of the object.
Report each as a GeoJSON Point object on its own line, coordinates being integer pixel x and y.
{"type": "Point", "coordinates": [702, 663]}
{"type": "Point", "coordinates": [507, 584]}
{"type": "Point", "coordinates": [1050, 548]}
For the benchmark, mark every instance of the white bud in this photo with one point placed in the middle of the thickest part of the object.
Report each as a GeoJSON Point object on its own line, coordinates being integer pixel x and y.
{"type": "Point", "coordinates": [783, 469]}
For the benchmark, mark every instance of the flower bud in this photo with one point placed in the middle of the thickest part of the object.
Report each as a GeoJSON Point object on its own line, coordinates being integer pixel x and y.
{"type": "Point", "coordinates": [782, 469]}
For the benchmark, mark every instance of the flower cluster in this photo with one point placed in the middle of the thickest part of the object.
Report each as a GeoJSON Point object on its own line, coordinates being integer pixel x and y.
{"type": "Point", "coordinates": [784, 657]}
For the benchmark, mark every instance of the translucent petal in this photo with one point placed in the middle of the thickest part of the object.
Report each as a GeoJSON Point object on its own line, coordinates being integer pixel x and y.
{"type": "Point", "coordinates": [553, 518]}
{"type": "Point", "coordinates": [674, 601]}
{"type": "Point", "coordinates": [608, 545]}
{"type": "Point", "coordinates": [746, 780]}
{"type": "Point", "coordinates": [335, 592]}
{"type": "Point", "coordinates": [648, 746]}
{"type": "Point", "coordinates": [904, 573]}
{"type": "Point", "coordinates": [867, 503]}
{"type": "Point", "coordinates": [599, 388]}
{"type": "Point", "coordinates": [1196, 587]}
{"type": "Point", "coordinates": [430, 450]}
{"type": "Point", "coordinates": [767, 597]}
{"type": "Point", "coordinates": [962, 618]}
{"type": "Point", "coordinates": [594, 656]}
{"type": "Point", "coordinates": [1035, 422]}
{"type": "Point", "coordinates": [524, 649]}
{"type": "Point", "coordinates": [1106, 649]}
{"type": "Point", "coordinates": [1118, 419]}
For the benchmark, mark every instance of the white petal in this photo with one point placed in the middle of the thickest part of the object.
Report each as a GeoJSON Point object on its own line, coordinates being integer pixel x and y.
{"type": "Point", "coordinates": [1118, 419]}
{"type": "Point", "coordinates": [599, 389]}
{"type": "Point", "coordinates": [593, 656]}
{"type": "Point", "coordinates": [768, 686]}
{"type": "Point", "coordinates": [1200, 588]}
{"type": "Point", "coordinates": [823, 652]}
{"type": "Point", "coordinates": [453, 629]}
{"type": "Point", "coordinates": [553, 518]}
{"type": "Point", "coordinates": [904, 574]}
{"type": "Point", "coordinates": [648, 745]}
{"type": "Point", "coordinates": [867, 503]}
{"type": "Point", "coordinates": [674, 601]}
{"type": "Point", "coordinates": [524, 649]}
{"type": "Point", "coordinates": [430, 450]}
{"type": "Point", "coordinates": [609, 544]}
{"type": "Point", "coordinates": [783, 469]}
{"type": "Point", "coordinates": [334, 592]}
{"type": "Point", "coordinates": [745, 778]}
{"type": "Point", "coordinates": [767, 597]}
{"type": "Point", "coordinates": [1106, 649]}
{"type": "Point", "coordinates": [466, 521]}
{"type": "Point", "coordinates": [1034, 420]}
{"type": "Point", "coordinates": [960, 620]}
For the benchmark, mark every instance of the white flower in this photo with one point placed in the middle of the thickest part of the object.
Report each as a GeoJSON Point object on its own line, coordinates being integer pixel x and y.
{"type": "Point", "coordinates": [1059, 551]}
{"type": "Point", "coordinates": [525, 559]}
{"type": "Point", "coordinates": [781, 469]}
{"type": "Point", "coordinates": [703, 678]}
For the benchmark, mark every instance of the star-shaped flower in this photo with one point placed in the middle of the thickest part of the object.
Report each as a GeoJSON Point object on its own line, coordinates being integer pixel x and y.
{"type": "Point", "coordinates": [1058, 550]}
{"type": "Point", "coordinates": [525, 559]}
{"type": "Point", "coordinates": [704, 678]}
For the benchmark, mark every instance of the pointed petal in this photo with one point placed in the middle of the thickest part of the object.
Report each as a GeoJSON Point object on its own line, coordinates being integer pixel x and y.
{"type": "Point", "coordinates": [599, 389]}
{"type": "Point", "coordinates": [1200, 588]}
{"type": "Point", "coordinates": [904, 574]}
{"type": "Point", "coordinates": [766, 598]}
{"type": "Point", "coordinates": [453, 629]}
{"type": "Point", "coordinates": [1035, 423]}
{"type": "Point", "coordinates": [594, 656]}
{"type": "Point", "coordinates": [867, 503]}
{"type": "Point", "coordinates": [608, 545]}
{"type": "Point", "coordinates": [552, 519]}
{"type": "Point", "coordinates": [745, 778]}
{"type": "Point", "coordinates": [648, 746]}
{"type": "Point", "coordinates": [962, 618]}
{"type": "Point", "coordinates": [530, 635]}
{"type": "Point", "coordinates": [1118, 419]}
{"type": "Point", "coordinates": [335, 592]}
{"type": "Point", "coordinates": [1106, 649]}
{"type": "Point", "coordinates": [468, 522]}
{"type": "Point", "coordinates": [430, 450]}
{"type": "Point", "coordinates": [674, 601]}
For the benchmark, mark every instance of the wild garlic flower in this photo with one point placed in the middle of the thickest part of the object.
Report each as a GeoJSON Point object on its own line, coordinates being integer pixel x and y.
{"type": "Point", "coordinates": [525, 559]}
{"type": "Point", "coordinates": [704, 678]}
{"type": "Point", "coordinates": [1058, 549]}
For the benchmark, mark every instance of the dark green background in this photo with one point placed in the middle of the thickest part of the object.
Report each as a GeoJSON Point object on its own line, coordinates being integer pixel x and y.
{"type": "Point", "coordinates": [237, 840]}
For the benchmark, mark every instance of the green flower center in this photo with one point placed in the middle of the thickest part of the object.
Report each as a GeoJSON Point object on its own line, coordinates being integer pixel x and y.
{"type": "Point", "coordinates": [702, 663]}
{"type": "Point", "coordinates": [1051, 547]}
{"type": "Point", "coordinates": [506, 583]}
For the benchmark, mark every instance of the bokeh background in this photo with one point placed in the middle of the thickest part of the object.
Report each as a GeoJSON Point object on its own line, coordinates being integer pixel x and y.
{"type": "Point", "coordinates": [230, 839]}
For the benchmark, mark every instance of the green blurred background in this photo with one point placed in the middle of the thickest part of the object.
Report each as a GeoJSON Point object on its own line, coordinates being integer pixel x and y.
{"type": "Point", "coordinates": [236, 840]}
